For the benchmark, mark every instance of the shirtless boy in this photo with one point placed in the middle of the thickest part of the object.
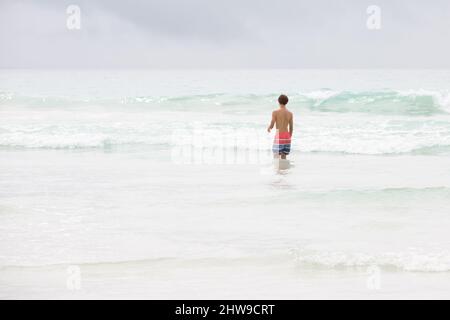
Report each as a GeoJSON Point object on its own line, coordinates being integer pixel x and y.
{"type": "Point", "coordinates": [284, 121]}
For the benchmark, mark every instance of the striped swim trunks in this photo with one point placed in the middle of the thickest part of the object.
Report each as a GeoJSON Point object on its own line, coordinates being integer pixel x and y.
{"type": "Point", "coordinates": [282, 143]}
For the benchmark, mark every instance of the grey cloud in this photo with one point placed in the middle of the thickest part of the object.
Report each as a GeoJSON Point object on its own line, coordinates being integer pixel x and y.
{"type": "Point", "coordinates": [219, 33]}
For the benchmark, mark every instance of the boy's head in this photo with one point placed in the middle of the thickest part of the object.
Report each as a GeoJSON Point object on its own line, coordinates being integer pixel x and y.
{"type": "Point", "coordinates": [283, 100]}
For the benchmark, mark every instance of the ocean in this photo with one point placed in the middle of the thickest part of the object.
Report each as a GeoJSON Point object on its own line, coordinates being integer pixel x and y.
{"type": "Point", "coordinates": [160, 184]}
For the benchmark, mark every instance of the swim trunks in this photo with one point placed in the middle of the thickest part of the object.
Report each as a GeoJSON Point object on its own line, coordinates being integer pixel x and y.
{"type": "Point", "coordinates": [282, 143]}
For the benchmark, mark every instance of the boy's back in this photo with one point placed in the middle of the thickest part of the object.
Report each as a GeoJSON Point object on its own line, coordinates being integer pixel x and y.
{"type": "Point", "coordinates": [283, 118]}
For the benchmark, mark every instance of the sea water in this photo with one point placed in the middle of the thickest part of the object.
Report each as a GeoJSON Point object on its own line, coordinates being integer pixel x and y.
{"type": "Point", "coordinates": [95, 202]}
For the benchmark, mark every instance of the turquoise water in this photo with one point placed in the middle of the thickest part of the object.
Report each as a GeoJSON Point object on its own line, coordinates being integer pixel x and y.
{"type": "Point", "coordinates": [88, 177]}
{"type": "Point", "coordinates": [354, 112]}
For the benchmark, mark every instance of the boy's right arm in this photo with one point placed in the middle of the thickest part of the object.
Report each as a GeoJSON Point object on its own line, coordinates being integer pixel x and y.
{"type": "Point", "coordinates": [291, 125]}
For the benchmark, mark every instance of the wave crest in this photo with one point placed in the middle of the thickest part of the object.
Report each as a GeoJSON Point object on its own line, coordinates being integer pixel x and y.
{"type": "Point", "coordinates": [420, 102]}
{"type": "Point", "coordinates": [409, 102]}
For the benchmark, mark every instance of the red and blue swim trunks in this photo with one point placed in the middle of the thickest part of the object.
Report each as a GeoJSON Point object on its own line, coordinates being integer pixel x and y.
{"type": "Point", "coordinates": [282, 143]}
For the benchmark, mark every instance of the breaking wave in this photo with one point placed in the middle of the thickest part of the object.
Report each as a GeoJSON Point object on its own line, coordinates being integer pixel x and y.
{"type": "Point", "coordinates": [375, 123]}
{"type": "Point", "coordinates": [412, 102]}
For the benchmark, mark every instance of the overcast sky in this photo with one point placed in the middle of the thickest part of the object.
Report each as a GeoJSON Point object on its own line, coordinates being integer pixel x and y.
{"type": "Point", "coordinates": [224, 34]}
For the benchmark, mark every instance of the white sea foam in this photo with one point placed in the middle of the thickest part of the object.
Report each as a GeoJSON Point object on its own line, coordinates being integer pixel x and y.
{"type": "Point", "coordinates": [314, 133]}
{"type": "Point", "coordinates": [411, 260]}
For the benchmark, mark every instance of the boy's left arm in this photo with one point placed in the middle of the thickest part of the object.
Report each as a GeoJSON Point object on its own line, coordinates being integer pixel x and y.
{"type": "Point", "coordinates": [272, 123]}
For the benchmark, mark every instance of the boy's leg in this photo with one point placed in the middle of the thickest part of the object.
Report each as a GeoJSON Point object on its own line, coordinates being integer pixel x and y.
{"type": "Point", "coordinates": [276, 151]}
{"type": "Point", "coordinates": [285, 150]}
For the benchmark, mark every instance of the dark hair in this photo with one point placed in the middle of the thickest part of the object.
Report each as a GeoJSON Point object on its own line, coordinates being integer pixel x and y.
{"type": "Point", "coordinates": [283, 100]}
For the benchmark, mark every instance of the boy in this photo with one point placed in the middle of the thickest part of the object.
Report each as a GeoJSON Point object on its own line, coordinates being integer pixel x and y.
{"type": "Point", "coordinates": [284, 120]}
